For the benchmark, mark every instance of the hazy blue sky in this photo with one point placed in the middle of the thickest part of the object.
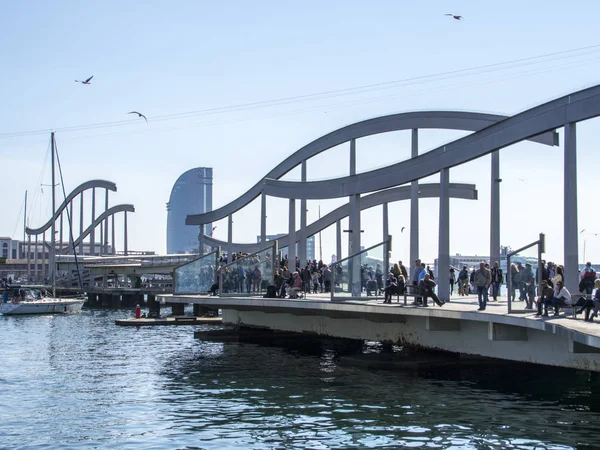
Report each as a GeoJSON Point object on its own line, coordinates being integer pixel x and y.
{"type": "Point", "coordinates": [168, 58]}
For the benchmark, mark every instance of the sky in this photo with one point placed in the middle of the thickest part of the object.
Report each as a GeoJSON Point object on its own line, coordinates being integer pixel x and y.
{"type": "Point", "coordinates": [211, 76]}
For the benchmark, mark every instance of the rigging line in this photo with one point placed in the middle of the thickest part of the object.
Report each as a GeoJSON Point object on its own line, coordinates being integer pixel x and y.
{"type": "Point", "coordinates": [62, 184]}
{"type": "Point", "coordinates": [37, 189]}
{"type": "Point", "coordinates": [334, 105]}
{"type": "Point", "coordinates": [304, 97]}
{"type": "Point", "coordinates": [337, 105]}
{"type": "Point", "coordinates": [18, 217]}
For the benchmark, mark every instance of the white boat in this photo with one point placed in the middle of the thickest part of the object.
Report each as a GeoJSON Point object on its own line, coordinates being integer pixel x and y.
{"type": "Point", "coordinates": [19, 299]}
{"type": "Point", "coordinates": [28, 300]}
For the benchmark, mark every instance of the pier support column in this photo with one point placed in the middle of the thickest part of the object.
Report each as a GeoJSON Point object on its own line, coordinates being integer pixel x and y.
{"type": "Point", "coordinates": [153, 306]}
{"type": "Point", "coordinates": [263, 218]}
{"type": "Point", "coordinates": [302, 233]}
{"type": "Point", "coordinates": [444, 237]}
{"type": "Point", "coordinates": [229, 238]}
{"type": "Point", "coordinates": [414, 204]}
{"type": "Point", "coordinates": [292, 236]}
{"type": "Point", "coordinates": [571, 234]}
{"type": "Point", "coordinates": [495, 210]}
{"type": "Point", "coordinates": [177, 309]}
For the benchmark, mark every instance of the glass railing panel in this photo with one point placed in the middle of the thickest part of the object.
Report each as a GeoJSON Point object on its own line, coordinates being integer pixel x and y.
{"type": "Point", "coordinates": [197, 276]}
{"type": "Point", "coordinates": [361, 275]}
{"type": "Point", "coordinates": [251, 274]}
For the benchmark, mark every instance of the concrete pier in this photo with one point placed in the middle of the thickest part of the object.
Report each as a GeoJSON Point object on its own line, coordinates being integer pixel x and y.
{"type": "Point", "coordinates": [457, 327]}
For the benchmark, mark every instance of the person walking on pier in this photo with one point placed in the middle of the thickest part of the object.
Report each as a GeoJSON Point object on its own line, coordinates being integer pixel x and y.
{"type": "Point", "coordinates": [452, 280]}
{"type": "Point", "coordinates": [463, 281]}
{"type": "Point", "coordinates": [327, 278]}
{"type": "Point", "coordinates": [528, 281]}
{"type": "Point", "coordinates": [497, 280]}
{"type": "Point", "coordinates": [483, 279]}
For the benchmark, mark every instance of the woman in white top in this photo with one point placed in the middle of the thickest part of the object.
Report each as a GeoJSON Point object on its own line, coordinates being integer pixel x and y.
{"type": "Point", "coordinates": [562, 297]}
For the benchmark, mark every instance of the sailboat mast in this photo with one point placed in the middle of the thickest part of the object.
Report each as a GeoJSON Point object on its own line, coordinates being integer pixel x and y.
{"type": "Point", "coordinates": [53, 231]}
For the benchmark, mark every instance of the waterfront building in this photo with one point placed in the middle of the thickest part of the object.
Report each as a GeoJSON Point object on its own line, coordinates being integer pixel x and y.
{"type": "Point", "coordinates": [191, 194]}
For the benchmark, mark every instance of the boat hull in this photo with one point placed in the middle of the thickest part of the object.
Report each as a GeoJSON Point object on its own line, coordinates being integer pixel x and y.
{"type": "Point", "coordinates": [45, 306]}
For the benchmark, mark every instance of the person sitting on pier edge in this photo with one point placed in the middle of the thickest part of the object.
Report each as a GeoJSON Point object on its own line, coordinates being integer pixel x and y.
{"type": "Point", "coordinates": [427, 285]}
{"type": "Point", "coordinates": [390, 287]}
{"type": "Point", "coordinates": [562, 297]}
{"type": "Point", "coordinates": [483, 279]}
{"type": "Point", "coordinates": [295, 286]}
{"type": "Point", "coordinates": [545, 299]}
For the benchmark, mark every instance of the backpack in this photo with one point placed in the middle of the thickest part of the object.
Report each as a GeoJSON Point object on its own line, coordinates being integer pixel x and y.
{"type": "Point", "coordinates": [271, 292]}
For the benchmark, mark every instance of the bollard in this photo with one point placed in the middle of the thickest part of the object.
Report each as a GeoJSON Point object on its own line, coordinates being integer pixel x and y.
{"type": "Point", "coordinates": [138, 312]}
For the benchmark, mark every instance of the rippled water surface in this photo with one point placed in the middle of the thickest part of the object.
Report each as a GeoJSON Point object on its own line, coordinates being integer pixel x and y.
{"type": "Point", "coordinates": [80, 381]}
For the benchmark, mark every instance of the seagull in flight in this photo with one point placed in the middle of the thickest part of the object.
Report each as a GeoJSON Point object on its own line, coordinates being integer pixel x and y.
{"type": "Point", "coordinates": [402, 230]}
{"type": "Point", "coordinates": [86, 81]}
{"type": "Point", "coordinates": [455, 17]}
{"type": "Point", "coordinates": [139, 115]}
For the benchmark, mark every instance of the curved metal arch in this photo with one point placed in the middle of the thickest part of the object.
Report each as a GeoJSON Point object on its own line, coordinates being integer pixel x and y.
{"type": "Point", "coordinates": [578, 106]}
{"type": "Point", "coordinates": [427, 190]}
{"type": "Point", "coordinates": [109, 212]}
{"type": "Point", "coordinates": [449, 120]}
{"type": "Point", "coordinates": [102, 184]}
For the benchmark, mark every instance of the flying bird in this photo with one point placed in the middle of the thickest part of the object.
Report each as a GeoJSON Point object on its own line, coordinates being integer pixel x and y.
{"type": "Point", "coordinates": [455, 17]}
{"type": "Point", "coordinates": [86, 81]}
{"type": "Point", "coordinates": [139, 115]}
{"type": "Point", "coordinates": [402, 229]}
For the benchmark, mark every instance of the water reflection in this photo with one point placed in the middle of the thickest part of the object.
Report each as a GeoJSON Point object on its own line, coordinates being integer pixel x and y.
{"type": "Point", "coordinates": [82, 382]}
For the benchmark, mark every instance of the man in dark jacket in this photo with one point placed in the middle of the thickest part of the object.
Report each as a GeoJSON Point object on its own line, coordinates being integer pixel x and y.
{"type": "Point", "coordinates": [497, 280]}
{"type": "Point", "coordinates": [427, 285]}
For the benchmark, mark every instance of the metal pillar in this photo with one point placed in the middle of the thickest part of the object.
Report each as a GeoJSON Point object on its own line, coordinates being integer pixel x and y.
{"type": "Point", "coordinates": [44, 259]}
{"type": "Point", "coordinates": [444, 237]}
{"type": "Point", "coordinates": [338, 243]}
{"type": "Point", "coordinates": [81, 222]}
{"type": "Point", "coordinates": [105, 243]}
{"type": "Point", "coordinates": [35, 259]}
{"type": "Point", "coordinates": [414, 204]}
{"type": "Point", "coordinates": [125, 250]}
{"type": "Point", "coordinates": [229, 237]}
{"type": "Point", "coordinates": [571, 235]}
{"type": "Point", "coordinates": [29, 258]}
{"type": "Point", "coordinates": [114, 244]}
{"type": "Point", "coordinates": [495, 210]}
{"type": "Point", "coordinates": [60, 239]}
{"type": "Point", "coordinates": [201, 239]}
{"type": "Point", "coordinates": [93, 230]}
{"type": "Point", "coordinates": [292, 236]}
{"type": "Point", "coordinates": [386, 235]}
{"type": "Point", "coordinates": [302, 233]}
{"type": "Point", "coordinates": [70, 220]}
{"type": "Point", "coordinates": [101, 249]}
{"type": "Point", "coordinates": [263, 218]}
